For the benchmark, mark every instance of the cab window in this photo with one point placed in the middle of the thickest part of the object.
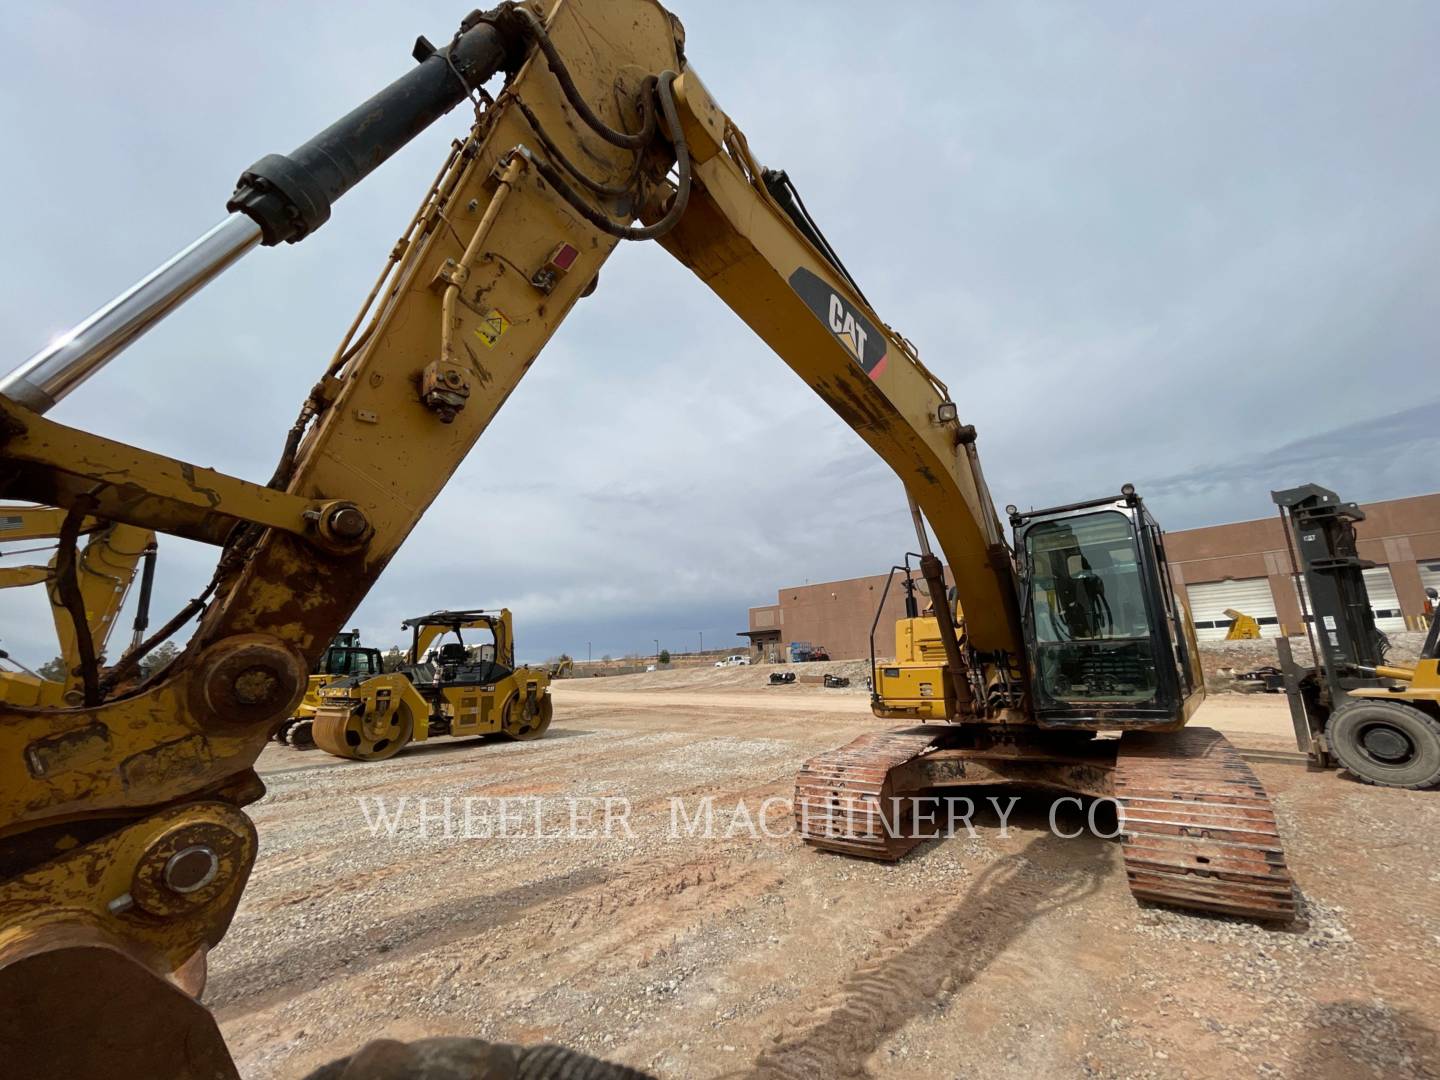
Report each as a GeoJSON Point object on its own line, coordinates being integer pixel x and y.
{"type": "Point", "coordinates": [1088, 616]}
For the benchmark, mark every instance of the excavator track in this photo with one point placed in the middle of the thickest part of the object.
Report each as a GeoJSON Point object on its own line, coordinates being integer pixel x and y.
{"type": "Point", "coordinates": [1199, 830]}
{"type": "Point", "coordinates": [843, 797]}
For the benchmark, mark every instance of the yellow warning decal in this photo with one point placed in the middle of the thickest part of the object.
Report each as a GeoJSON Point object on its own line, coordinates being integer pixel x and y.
{"type": "Point", "coordinates": [492, 324]}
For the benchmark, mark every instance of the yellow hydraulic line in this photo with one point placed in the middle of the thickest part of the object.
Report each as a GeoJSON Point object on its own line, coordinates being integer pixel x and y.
{"type": "Point", "coordinates": [508, 178]}
{"type": "Point", "coordinates": [434, 197]}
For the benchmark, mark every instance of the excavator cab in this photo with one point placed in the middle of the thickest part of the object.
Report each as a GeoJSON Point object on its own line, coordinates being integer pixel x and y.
{"type": "Point", "coordinates": [1106, 641]}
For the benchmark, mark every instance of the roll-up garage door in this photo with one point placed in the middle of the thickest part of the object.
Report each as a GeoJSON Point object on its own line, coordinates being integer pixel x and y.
{"type": "Point", "coordinates": [1430, 575]}
{"type": "Point", "coordinates": [1383, 601]}
{"type": "Point", "coordinates": [1249, 596]}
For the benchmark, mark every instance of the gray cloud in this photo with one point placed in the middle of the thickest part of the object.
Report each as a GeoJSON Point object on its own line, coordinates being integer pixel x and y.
{"type": "Point", "coordinates": [1388, 457]}
{"type": "Point", "coordinates": [1134, 240]}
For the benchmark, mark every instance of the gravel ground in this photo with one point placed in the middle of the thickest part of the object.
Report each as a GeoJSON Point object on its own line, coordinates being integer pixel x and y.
{"type": "Point", "coordinates": [1008, 954]}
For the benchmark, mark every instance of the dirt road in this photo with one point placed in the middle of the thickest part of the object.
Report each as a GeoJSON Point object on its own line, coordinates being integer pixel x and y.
{"type": "Point", "coordinates": [1261, 715]}
{"type": "Point", "coordinates": [1009, 954]}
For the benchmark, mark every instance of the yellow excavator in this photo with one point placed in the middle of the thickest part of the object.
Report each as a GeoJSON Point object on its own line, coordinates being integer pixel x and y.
{"type": "Point", "coordinates": [86, 587]}
{"type": "Point", "coordinates": [1064, 660]}
{"type": "Point", "coordinates": [453, 690]}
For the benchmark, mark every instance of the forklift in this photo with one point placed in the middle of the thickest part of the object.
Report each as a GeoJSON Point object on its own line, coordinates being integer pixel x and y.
{"type": "Point", "coordinates": [1379, 721]}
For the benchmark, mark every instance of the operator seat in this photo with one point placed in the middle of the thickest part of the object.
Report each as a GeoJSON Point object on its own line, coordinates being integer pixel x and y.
{"type": "Point", "coordinates": [452, 663]}
{"type": "Point", "coordinates": [452, 652]}
{"type": "Point", "coordinates": [480, 673]}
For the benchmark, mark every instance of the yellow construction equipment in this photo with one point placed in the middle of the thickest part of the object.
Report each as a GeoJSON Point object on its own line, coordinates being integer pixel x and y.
{"type": "Point", "coordinates": [455, 690]}
{"type": "Point", "coordinates": [1350, 706]}
{"type": "Point", "coordinates": [345, 658]}
{"type": "Point", "coordinates": [86, 589]}
{"type": "Point", "coordinates": [1242, 627]}
{"type": "Point", "coordinates": [122, 840]}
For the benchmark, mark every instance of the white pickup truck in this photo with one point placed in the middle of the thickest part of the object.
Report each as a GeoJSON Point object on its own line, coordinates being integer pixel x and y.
{"type": "Point", "coordinates": [738, 660]}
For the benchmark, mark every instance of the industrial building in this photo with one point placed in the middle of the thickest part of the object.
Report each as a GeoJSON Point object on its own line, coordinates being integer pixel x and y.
{"type": "Point", "coordinates": [1243, 566]}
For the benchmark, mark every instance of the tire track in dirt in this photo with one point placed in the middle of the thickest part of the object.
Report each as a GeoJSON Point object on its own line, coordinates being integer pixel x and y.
{"type": "Point", "coordinates": [933, 950]}
{"type": "Point", "coordinates": [298, 846]}
{"type": "Point", "coordinates": [600, 933]}
{"type": "Point", "coordinates": [339, 947]}
{"type": "Point", "coordinates": [398, 775]}
{"type": "Point", "coordinates": [236, 992]}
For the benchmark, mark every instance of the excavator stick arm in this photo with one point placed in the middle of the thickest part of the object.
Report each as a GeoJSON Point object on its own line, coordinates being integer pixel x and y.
{"type": "Point", "coordinates": [742, 244]}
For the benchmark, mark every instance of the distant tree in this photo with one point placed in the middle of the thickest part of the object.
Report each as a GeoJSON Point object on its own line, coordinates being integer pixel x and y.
{"type": "Point", "coordinates": [158, 658]}
{"type": "Point", "coordinates": [605, 659]}
{"type": "Point", "coordinates": [54, 670]}
{"type": "Point", "coordinates": [664, 656]}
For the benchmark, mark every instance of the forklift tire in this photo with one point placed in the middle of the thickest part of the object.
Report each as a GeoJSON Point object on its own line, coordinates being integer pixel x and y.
{"type": "Point", "coordinates": [1387, 743]}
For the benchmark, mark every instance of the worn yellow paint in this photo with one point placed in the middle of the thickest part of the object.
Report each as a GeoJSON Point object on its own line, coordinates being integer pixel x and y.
{"type": "Point", "coordinates": [470, 253]}
{"type": "Point", "coordinates": [104, 569]}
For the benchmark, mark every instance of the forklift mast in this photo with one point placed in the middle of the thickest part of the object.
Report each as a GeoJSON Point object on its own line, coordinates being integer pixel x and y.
{"type": "Point", "coordinates": [1320, 531]}
{"type": "Point", "coordinates": [1352, 708]}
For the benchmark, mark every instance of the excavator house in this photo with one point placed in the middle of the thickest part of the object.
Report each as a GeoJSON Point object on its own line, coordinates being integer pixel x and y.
{"type": "Point", "coordinates": [1062, 661]}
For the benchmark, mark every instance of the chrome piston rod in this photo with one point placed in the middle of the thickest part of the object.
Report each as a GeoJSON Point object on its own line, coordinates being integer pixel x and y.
{"type": "Point", "coordinates": [43, 380]}
{"type": "Point", "coordinates": [279, 199]}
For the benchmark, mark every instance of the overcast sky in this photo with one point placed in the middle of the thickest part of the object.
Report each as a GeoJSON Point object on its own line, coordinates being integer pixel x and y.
{"type": "Point", "coordinates": [1194, 247]}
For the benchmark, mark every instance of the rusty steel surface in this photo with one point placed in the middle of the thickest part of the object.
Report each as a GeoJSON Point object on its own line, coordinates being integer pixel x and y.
{"type": "Point", "coordinates": [85, 1010]}
{"type": "Point", "coordinates": [843, 797]}
{"type": "Point", "coordinates": [1199, 830]}
{"type": "Point", "coordinates": [983, 768]}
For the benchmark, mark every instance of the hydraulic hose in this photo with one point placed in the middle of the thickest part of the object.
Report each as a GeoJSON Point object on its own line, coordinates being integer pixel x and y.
{"type": "Point", "coordinates": [647, 103]}
{"type": "Point", "coordinates": [536, 30]}
{"type": "Point", "coordinates": [665, 90]}
{"type": "Point", "coordinates": [67, 586]}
